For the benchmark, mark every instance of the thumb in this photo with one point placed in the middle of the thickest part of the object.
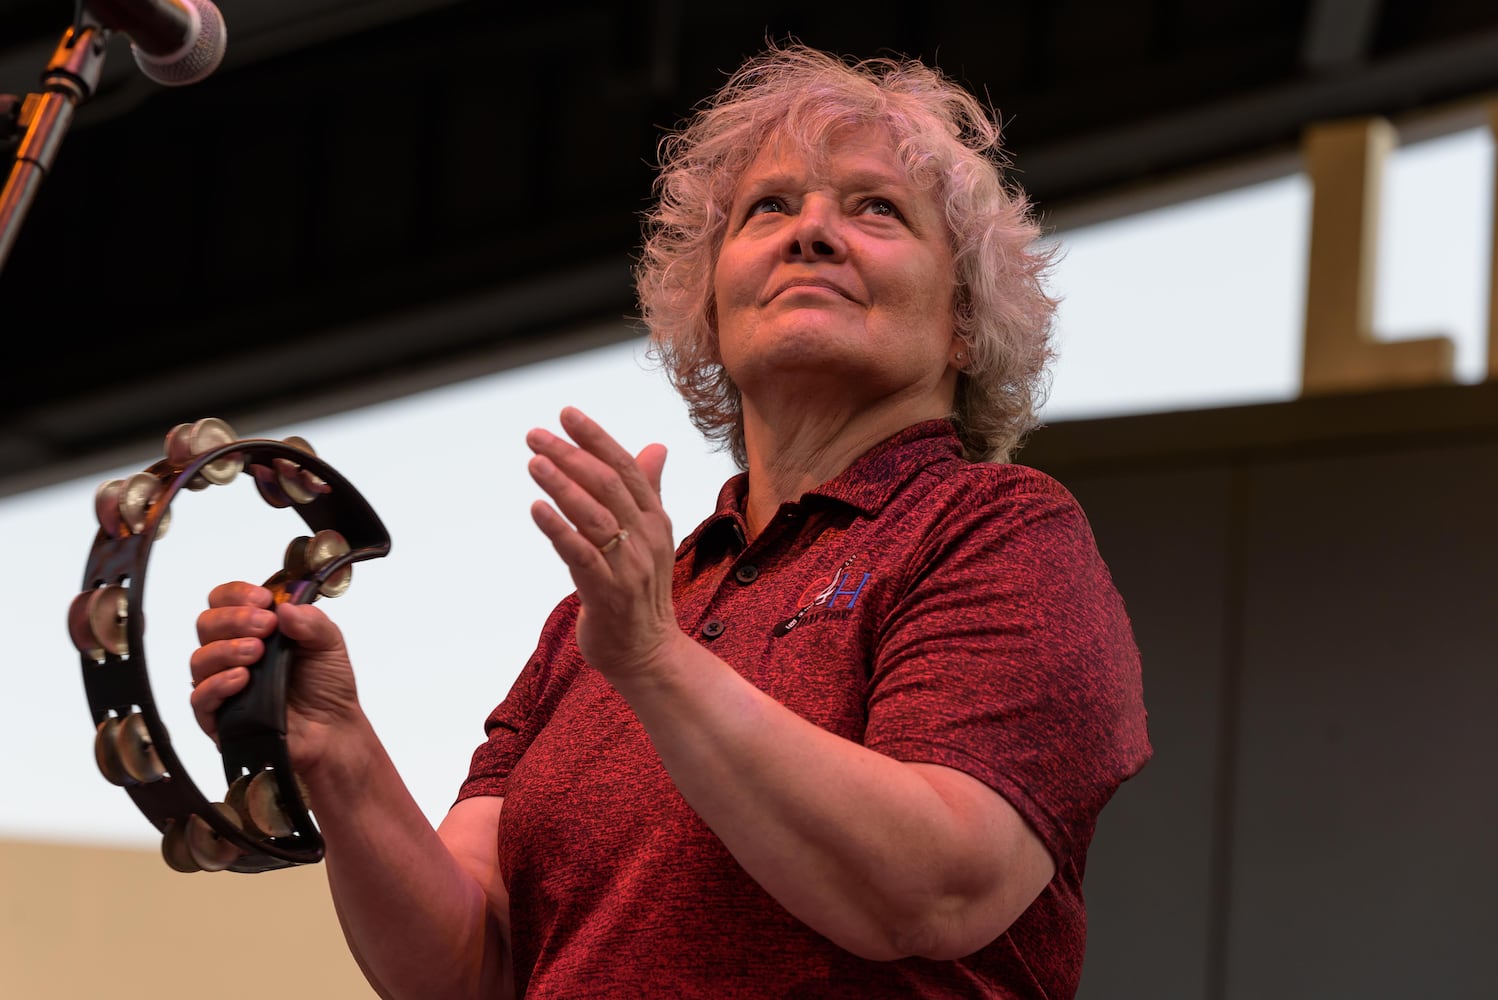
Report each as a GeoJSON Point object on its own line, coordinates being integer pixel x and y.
{"type": "Point", "coordinates": [652, 460]}
{"type": "Point", "coordinates": [309, 627]}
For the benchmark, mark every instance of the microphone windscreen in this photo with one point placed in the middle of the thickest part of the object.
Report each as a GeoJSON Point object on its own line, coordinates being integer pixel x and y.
{"type": "Point", "coordinates": [198, 58]}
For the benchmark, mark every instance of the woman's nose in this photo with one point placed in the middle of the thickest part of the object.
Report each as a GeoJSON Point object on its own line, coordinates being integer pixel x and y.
{"type": "Point", "coordinates": [815, 234]}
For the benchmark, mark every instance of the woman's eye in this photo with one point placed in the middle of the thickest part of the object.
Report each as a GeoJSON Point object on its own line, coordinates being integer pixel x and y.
{"type": "Point", "coordinates": [766, 205]}
{"type": "Point", "coordinates": [881, 206]}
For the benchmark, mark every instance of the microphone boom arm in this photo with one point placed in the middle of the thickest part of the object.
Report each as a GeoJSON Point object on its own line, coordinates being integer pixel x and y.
{"type": "Point", "coordinates": [69, 80]}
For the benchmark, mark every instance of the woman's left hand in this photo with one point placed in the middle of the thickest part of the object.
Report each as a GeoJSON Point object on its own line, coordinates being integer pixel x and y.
{"type": "Point", "coordinates": [610, 529]}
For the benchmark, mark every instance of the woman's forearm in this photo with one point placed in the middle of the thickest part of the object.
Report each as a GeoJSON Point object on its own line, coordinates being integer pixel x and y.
{"type": "Point", "coordinates": [419, 909]}
{"type": "Point", "coordinates": [887, 859]}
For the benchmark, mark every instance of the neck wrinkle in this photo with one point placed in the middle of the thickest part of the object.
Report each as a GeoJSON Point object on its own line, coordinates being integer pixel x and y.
{"type": "Point", "coordinates": [787, 460]}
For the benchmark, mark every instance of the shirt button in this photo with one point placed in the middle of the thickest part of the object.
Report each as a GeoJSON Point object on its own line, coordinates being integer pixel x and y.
{"type": "Point", "coordinates": [746, 574]}
{"type": "Point", "coordinates": [713, 629]}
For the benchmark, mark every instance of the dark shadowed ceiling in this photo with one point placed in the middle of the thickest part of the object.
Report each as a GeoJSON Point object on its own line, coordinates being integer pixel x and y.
{"type": "Point", "coordinates": [366, 191]}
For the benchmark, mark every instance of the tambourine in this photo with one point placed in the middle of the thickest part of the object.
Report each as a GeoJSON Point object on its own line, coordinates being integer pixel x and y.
{"type": "Point", "coordinates": [263, 821]}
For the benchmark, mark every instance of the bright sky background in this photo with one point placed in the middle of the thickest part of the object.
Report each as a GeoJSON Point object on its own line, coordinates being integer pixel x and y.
{"type": "Point", "coordinates": [1195, 305]}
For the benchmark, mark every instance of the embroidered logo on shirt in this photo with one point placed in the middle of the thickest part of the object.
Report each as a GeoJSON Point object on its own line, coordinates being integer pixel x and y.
{"type": "Point", "coordinates": [838, 592]}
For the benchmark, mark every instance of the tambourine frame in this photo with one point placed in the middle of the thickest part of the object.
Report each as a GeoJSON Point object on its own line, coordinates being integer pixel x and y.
{"type": "Point", "coordinates": [252, 724]}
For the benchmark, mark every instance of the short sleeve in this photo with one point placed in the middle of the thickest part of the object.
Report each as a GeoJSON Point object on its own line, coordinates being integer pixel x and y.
{"type": "Point", "coordinates": [513, 724]}
{"type": "Point", "coordinates": [1010, 657]}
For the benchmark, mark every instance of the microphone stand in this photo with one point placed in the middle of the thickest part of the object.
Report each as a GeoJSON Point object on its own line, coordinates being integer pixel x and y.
{"type": "Point", "coordinates": [70, 78]}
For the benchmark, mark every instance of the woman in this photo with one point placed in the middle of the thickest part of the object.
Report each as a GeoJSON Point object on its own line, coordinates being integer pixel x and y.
{"type": "Point", "coordinates": [850, 739]}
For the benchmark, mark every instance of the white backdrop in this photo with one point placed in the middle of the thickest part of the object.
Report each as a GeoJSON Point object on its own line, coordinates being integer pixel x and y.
{"type": "Point", "coordinates": [438, 628]}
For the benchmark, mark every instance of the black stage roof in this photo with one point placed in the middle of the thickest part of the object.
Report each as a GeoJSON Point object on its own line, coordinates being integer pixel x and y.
{"type": "Point", "coordinates": [377, 192]}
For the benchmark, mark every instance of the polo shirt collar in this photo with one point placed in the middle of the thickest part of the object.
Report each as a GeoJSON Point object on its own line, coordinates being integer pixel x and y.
{"type": "Point", "coordinates": [876, 475]}
{"type": "Point", "coordinates": [867, 485]}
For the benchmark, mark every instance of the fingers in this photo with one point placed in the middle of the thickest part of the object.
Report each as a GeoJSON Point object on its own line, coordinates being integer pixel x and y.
{"type": "Point", "coordinates": [233, 641]}
{"type": "Point", "coordinates": [231, 631]}
{"type": "Point", "coordinates": [594, 520]}
{"type": "Point", "coordinates": [209, 695]}
{"type": "Point", "coordinates": [596, 441]}
{"type": "Point", "coordinates": [573, 546]}
{"type": "Point", "coordinates": [239, 592]}
{"type": "Point", "coordinates": [597, 484]}
{"type": "Point", "coordinates": [605, 519]}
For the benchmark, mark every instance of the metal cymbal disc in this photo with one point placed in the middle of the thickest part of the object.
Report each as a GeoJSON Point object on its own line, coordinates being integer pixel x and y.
{"type": "Point", "coordinates": [263, 803]}
{"type": "Point", "coordinates": [136, 495]}
{"type": "Point", "coordinates": [210, 433]}
{"type": "Point", "coordinates": [312, 482]}
{"type": "Point", "coordinates": [107, 754]}
{"type": "Point", "coordinates": [108, 612]}
{"type": "Point", "coordinates": [136, 749]}
{"type": "Point", "coordinates": [79, 629]}
{"type": "Point", "coordinates": [295, 560]}
{"type": "Point", "coordinates": [234, 798]}
{"type": "Point", "coordinates": [174, 849]}
{"type": "Point", "coordinates": [289, 478]}
{"type": "Point", "coordinates": [107, 506]}
{"type": "Point", "coordinates": [299, 443]}
{"type": "Point", "coordinates": [96, 622]}
{"type": "Point", "coordinates": [338, 584]}
{"type": "Point", "coordinates": [177, 448]}
{"type": "Point", "coordinates": [269, 485]}
{"type": "Point", "coordinates": [324, 547]}
{"type": "Point", "coordinates": [303, 791]}
{"type": "Point", "coordinates": [212, 852]}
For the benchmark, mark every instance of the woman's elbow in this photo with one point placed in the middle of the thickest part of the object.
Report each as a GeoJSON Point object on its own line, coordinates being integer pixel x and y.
{"type": "Point", "coordinates": [943, 929]}
{"type": "Point", "coordinates": [950, 930]}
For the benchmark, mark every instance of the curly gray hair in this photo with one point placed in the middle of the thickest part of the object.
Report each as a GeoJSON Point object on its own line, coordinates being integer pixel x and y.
{"type": "Point", "coordinates": [948, 143]}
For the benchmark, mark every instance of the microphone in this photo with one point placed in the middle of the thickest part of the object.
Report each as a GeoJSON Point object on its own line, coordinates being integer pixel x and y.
{"type": "Point", "coordinates": [175, 42]}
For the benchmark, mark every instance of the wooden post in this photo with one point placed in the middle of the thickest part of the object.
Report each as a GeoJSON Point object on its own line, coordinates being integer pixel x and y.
{"type": "Point", "coordinates": [1493, 255]}
{"type": "Point", "coordinates": [1345, 163]}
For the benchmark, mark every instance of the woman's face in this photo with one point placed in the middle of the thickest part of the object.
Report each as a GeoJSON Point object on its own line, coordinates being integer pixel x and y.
{"type": "Point", "coordinates": [837, 270]}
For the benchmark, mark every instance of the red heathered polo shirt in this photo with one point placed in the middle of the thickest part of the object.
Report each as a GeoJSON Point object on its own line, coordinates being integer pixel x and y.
{"type": "Point", "coordinates": [931, 608]}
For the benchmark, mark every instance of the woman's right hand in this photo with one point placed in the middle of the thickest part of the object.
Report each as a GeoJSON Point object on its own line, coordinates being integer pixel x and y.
{"type": "Point", "coordinates": [321, 694]}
